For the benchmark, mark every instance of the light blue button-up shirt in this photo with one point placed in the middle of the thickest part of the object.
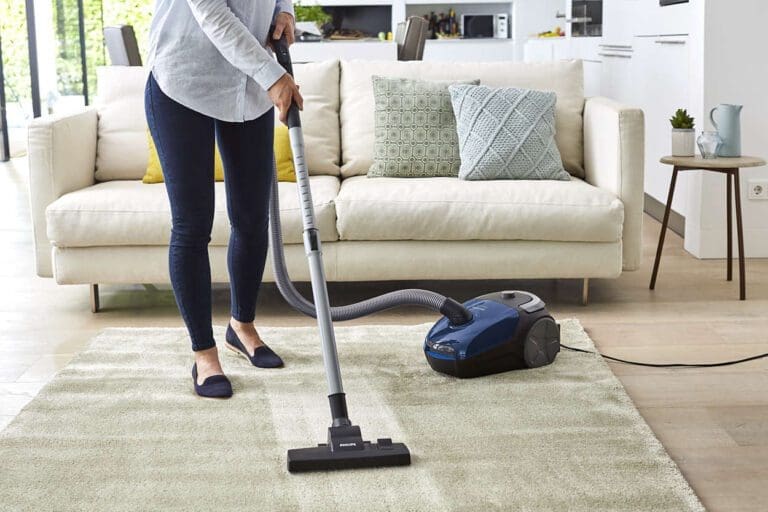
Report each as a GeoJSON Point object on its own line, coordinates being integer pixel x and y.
{"type": "Point", "coordinates": [210, 56]}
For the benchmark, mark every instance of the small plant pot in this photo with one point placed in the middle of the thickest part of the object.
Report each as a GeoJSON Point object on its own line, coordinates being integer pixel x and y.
{"type": "Point", "coordinates": [683, 142]}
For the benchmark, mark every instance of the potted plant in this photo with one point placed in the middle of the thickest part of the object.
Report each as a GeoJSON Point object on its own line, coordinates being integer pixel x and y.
{"type": "Point", "coordinates": [308, 15]}
{"type": "Point", "coordinates": [683, 134]}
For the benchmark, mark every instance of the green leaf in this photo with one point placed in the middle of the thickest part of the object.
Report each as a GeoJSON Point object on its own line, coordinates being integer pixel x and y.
{"type": "Point", "coordinates": [681, 120]}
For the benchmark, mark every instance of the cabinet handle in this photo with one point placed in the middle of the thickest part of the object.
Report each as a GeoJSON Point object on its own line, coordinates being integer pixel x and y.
{"type": "Point", "coordinates": [669, 41]}
{"type": "Point", "coordinates": [618, 46]}
{"type": "Point", "coordinates": [618, 55]}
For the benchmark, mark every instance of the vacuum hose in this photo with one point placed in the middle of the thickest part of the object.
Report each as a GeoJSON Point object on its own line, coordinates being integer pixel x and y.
{"type": "Point", "coordinates": [453, 310]}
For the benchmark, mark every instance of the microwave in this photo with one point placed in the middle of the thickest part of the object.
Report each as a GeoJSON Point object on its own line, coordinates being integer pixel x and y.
{"type": "Point", "coordinates": [485, 25]}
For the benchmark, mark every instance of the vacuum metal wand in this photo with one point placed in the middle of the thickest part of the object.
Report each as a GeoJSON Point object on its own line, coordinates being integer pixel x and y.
{"type": "Point", "coordinates": [313, 248]}
{"type": "Point", "coordinates": [345, 447]}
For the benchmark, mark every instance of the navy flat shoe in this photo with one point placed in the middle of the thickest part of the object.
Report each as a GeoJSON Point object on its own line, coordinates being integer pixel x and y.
{"type": "Point", "coordinates": [264, 357]}
{"type": "Point", "coordinates": [215, 386]}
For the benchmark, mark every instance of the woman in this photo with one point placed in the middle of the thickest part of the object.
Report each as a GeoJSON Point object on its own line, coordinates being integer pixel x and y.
{"type": "Point", "coordinates": [213, 78]}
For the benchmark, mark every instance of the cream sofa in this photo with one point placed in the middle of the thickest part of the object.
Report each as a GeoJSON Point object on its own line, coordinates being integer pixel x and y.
{"type": "Point", "coordinates": [96, 222]}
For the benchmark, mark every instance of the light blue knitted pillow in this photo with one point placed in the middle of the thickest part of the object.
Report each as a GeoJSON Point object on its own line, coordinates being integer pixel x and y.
{"type": "Point", "coordinates": [506, 133]}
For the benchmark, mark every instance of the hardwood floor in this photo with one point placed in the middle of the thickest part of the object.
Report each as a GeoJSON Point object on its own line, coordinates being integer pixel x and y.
{"type": "Point", "coordinates": [713, 422]}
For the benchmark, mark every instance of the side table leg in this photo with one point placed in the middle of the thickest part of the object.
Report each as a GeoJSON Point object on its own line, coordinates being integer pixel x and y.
{"type": "Point", "coordinates": [740, 235]}
{"type": "Point", "coordinates": [729, 216]}
{"type": "Point", "coordinates": [663, 228]}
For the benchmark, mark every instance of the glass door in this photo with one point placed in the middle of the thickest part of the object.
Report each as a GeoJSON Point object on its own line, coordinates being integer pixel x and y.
{"type": "Point", "coordinates": [5, 148]}
{"type": "Point", "coordinates": [49, 53]}
{"type": "Point", "coordinates": [15, 80]}
{"type": "Point", "coordinates": [75, 33]}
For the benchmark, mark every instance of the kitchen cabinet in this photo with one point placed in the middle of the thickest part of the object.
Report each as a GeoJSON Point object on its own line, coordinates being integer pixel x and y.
{"type": "Point", "coordinates": [660, 85]}
{"type": "Point", "coordinates": [588, 49]}
{"type": "Point", "coordinates": [546, 49]}
{"type": "Point", "coordinates": [470, 50]}
{"type": "Point", "coordinates": [618, 19]}
{"type": "Point", "coordinates": [584, 48]}
{"type": "Point", "coordinates": [593, 70]}
{"type": "Point", "coordinates": [316, 51]}
{"type": "Point", "coordinates": [650, 18]}
{"type": "Point", "coordinates": [625, 19]}
{"type": "Point", "coordinates": [616, 80]}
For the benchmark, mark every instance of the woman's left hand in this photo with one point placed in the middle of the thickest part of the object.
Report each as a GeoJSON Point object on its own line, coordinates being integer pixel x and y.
{"type": "Point", "coordinates": [284, 24]}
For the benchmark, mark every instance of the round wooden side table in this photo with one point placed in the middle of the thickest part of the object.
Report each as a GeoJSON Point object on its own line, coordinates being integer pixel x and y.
{"type": "Point", "coordinates": [730, 167]}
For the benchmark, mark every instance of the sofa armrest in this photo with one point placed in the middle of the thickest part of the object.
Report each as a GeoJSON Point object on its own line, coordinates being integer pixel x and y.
{"type": "Point", "coordinates": [62, 158]}
{"type": "Point", "coordinates": [614, 152]}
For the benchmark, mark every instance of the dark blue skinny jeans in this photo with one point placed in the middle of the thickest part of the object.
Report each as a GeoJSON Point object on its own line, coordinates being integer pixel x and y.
{"type": "Point", "coordinates": [185, 146]}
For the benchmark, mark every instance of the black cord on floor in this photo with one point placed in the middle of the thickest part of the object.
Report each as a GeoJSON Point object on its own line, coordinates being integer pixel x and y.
{"type": "Point", "coordinates": [668, 365]}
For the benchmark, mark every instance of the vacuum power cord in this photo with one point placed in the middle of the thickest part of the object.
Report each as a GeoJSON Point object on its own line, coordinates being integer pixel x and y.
{"type": "Point", "coordinates": [668, 365]}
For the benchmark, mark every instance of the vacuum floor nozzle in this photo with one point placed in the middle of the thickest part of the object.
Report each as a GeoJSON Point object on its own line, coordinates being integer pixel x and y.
{"type": "Point", "coordinates": [347, 450]}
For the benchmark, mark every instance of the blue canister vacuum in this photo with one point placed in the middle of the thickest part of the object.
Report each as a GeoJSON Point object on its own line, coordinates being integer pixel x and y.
{"type": "Point", "coordinates": [489, 334]}
{"type": "Point", "coordinates": [509, 330]}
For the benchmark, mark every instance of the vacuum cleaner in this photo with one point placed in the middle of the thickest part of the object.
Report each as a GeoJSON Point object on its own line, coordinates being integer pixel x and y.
{"type": "Point", "coordinates": [488, 334]}
{"type": "Point", "coordinates": [510, 330]}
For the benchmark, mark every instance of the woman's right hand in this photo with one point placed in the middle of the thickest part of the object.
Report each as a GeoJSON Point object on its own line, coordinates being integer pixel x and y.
{"type": "Point", "coordinates": [283, 93]}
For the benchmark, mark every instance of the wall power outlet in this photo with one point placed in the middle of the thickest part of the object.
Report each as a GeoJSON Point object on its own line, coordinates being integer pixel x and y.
{"type": "Point", "coordinates": [758, 189]}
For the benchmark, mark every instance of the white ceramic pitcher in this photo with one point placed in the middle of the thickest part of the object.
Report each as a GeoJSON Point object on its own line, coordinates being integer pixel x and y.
{"type": "Point", "coordinates": [727, 121]}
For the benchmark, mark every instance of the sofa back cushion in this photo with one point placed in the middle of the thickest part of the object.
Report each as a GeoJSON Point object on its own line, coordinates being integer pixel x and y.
{"type": "Point", "coordinates": [122, 148]}
{"type": "Point", "coordinates": [319, 82]}
{"type": "Point", "coordinates": [357, 101]}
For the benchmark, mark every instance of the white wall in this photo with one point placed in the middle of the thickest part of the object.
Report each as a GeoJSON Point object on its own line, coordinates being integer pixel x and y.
{"type": "Point", "coordinates": [733, 69]}
{"type": "Point", "coordinates": [726, 64]}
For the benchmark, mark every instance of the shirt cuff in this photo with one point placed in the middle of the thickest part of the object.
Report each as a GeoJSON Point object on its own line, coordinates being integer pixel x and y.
{"type": "Point", "coordinates": [268, 74]}
{"type": "Point", "coordinates": [284, 6]}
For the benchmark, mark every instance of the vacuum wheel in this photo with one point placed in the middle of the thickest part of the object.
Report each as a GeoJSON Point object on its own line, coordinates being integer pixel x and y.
{"type": "Point", "coordinates": [542, 343]}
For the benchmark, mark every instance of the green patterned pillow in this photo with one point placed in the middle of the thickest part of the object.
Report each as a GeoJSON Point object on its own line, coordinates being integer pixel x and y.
{"type": "Point", "coordinates": [415, 129]}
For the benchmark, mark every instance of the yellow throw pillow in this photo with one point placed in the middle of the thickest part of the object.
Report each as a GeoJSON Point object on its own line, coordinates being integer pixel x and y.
{"type": "Point", "coordinates": [154, 172]}
{"type": "Point", "coordinates": [283, 155]}
{"type": "Point", "coordinates": [283, 159]}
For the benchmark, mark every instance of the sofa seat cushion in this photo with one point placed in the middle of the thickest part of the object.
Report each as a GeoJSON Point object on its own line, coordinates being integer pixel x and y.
{"type": "Point", "coordinates": [128, 212]}
{"type": "Point", "coordinates": [453, 209]}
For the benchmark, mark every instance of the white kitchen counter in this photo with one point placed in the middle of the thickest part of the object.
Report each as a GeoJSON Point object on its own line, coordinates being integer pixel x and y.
{"type": "Point", "coordinates": [435, 49]}
{"type": "Point", "coordinates": [370, 49]}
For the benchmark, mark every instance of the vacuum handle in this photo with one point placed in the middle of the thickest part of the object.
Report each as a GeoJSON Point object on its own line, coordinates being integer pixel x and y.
{"type": "Point", "coordinates": [280, 46]}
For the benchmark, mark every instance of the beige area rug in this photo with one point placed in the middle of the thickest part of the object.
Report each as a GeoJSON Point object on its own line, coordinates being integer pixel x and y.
{"type": "Point", "coordinates": [120, 429]}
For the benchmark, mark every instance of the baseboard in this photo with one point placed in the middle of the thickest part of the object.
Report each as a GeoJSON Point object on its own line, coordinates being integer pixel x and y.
{"type": "Point", "coordinates": [655, 209]}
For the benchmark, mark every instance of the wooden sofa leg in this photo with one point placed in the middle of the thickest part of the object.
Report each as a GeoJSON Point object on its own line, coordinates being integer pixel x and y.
{"type": "Point", "coordinates": [94, 298]}
{"type": "Point", "coordinates": [585, 291]}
